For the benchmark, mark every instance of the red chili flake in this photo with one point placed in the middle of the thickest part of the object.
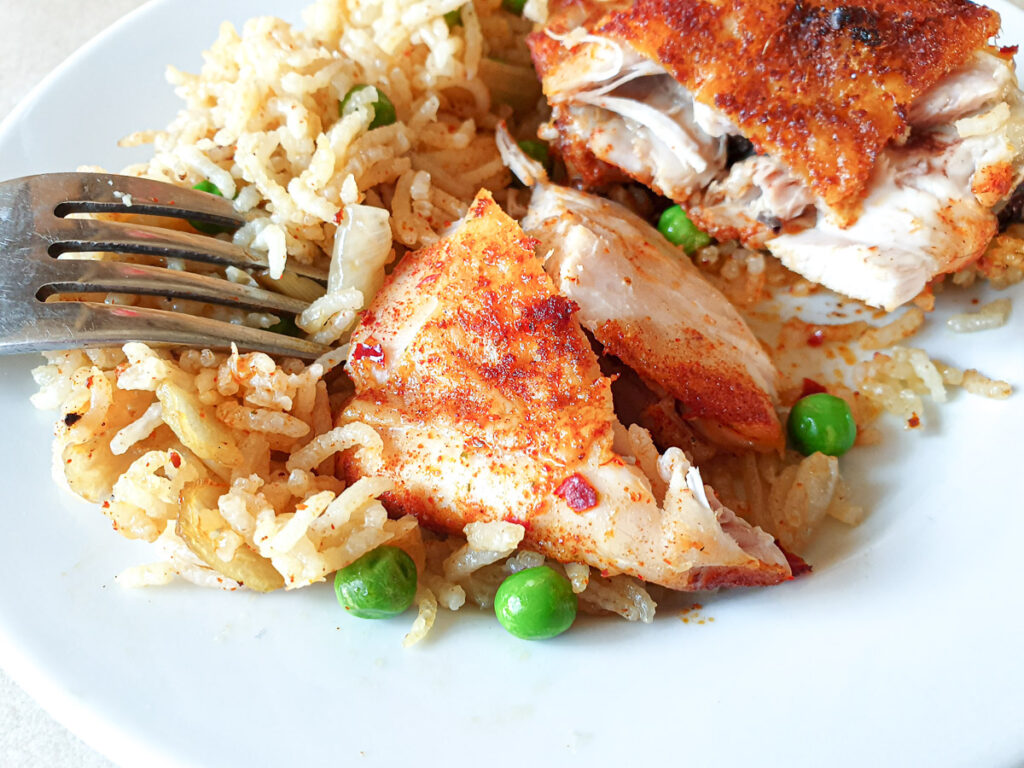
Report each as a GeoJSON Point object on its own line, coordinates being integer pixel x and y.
{"type": "Point", "coordinates": [428, 280]}
{"type": "Point", "coordinates": [175, 460]}
{"type": "Point", "coordinates": [106, 505]}
{"type": "Point", "coordinates": [914, 421]}
{"type": "Point", "coordinates": [372, 352]}
{"type": "Point", "coordinates": [339, 216]}
{"type": "Point", "coordinates": [816, 339]}
{"type": "Point", "coordinates": [518, 521]}
{"type": "Point", "coordinates": [811, 387]}
{"type": "Point", "coordinates": [577, 492]}
{"type": "Point", "coordinates": [1009, 50]}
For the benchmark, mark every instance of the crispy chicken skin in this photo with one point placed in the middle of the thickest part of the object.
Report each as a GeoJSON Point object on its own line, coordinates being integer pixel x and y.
{"type": "Point", "coordinates": [870, 147]}
{"type": "Point", "coordinates": [491, 406]}
{"type": "Point", "coordinates": [822, 86]}
{"type": "Point", "coordinates": [650, 307]}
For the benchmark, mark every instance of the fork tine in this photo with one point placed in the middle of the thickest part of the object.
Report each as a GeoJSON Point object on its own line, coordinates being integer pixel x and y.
{"type": "Point", "coordinates": [77, 235]}
{"type": "Point", "coordinates": [86, 276]}
{"type": "Point", "coordinates": [77, 324]}
{"type": "Point", "coordinates": [32, 233]}
{"type": "Point", "coordinates": [112, 193]}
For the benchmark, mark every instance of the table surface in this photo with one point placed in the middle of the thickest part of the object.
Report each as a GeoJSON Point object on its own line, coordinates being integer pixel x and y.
{"type": "Point", "coordinates": [34, 45]}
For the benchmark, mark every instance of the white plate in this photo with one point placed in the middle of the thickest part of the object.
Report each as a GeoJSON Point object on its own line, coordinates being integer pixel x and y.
{"type": "Point", "coordinates": [903, 647]}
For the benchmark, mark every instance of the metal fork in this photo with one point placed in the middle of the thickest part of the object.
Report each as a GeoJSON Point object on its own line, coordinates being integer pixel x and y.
{"type": "Point", "coordinates": [34, 232]}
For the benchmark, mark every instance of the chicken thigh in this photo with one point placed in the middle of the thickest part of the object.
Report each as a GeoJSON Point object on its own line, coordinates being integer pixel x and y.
{"type": "Point", "coordinates": [491, 406]}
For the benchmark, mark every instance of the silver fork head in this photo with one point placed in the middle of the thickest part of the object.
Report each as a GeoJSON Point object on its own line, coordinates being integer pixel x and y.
{"type": "Point", "coordinates": [34, 232]}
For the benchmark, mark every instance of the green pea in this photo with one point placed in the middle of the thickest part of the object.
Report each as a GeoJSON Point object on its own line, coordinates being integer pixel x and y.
{"type": "Point", "coordinates": [208, 186]}
{"type": "Point", "coordinates": [453, 18]}
{"type": "Point", "coordinates": [514, 6]}
{"type": "Point", "coordinates": [287, 326]}
{"type": "Point", "coordinates": [677, 228]}
{"type": "Point", "coordinates": [822, 423]}
{"type": "Point", "coordinates": [379, 585]}
{"type": "Point", "coordinates": [536, 604]}
{"type": "Point", "coordinates": [203, 226]}
{"type": "Point", "coordinates": [538, 150]}
{"type": "Point", "coordinates": [383, 109]}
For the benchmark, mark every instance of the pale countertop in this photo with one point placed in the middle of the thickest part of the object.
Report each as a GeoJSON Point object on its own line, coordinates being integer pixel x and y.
{"type": "Point", "coordinates": [37, 36]}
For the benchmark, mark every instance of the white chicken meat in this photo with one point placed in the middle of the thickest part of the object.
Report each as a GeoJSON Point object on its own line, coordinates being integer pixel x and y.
{"type": "Point", "coordinates": [646, 303]}
{"type": "Point", "coordinates": [491, 406]}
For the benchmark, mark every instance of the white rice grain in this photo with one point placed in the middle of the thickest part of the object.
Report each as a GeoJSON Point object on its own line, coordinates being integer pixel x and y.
{"type": "Point", "coordinates": [993, 315]}
{"type": "Point", "coordinates": [138, 430]}
{"type": "Point", "coordinates": [354, 435]}
{"type": "Point", "coordinates": [495, 535]}
{"type": "Point", "coordinates": [248, 419]}
{"type": "Point", "coordinates": [426, 604]}
{"type": "Point", "coordinates": [978, 384]}
{"type": "Point", "coordinates": [578, 575]}
{"type": "Point", "coordinates": [150, 575]}
{"type": "Point", "coordinates": [271, 240]}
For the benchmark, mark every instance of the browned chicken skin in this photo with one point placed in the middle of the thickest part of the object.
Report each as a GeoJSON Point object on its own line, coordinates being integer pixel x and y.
{"type": "Point", "coordinates": [491, 406]}
{"type": "Point", "coordinates": [650, 307]}
{"type": "Point", "coordinates": [860, 170]}
{"type": "Point", "coordinates": [822, 86]}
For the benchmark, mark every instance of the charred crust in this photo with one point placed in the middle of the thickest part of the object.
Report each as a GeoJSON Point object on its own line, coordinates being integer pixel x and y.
{"type": "Point", "coordinates": [719, 394]}
{"type": "Point", "coordinates": [865, 35]}
{"type": "Point", "coordinates": [822, 86]}
{"type": "Point", "coordinates": [738, 148]}
{"type": "Point", "coordinates": [774, 223]}
{"type": "Point", "coordinates": [1013, 211]}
